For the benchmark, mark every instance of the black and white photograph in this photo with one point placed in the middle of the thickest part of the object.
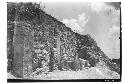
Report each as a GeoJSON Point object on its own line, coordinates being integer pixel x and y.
{"type": "Point", "coordinates": [64, 41]}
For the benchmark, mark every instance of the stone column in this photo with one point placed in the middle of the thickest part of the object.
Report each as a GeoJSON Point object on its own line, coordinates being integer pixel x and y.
{"type": "Point", "coordinates": [18, 42]}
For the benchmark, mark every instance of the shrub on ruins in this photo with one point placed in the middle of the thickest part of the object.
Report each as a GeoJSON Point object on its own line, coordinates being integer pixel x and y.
{"type": "Point", "coordinates": [116, 61]}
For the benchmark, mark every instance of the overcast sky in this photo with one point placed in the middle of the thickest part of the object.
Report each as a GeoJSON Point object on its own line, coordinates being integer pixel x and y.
{"type": "Point", "coordinates": [100, 20]}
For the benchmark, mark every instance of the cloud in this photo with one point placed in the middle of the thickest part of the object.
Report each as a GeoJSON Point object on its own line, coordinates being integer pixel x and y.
{"type": "Point", "coordinates": [82, 19]}
{"type": "Point", "coordinates": [73, 25]}
{"type": "Point", "coordinates": [114, 16]}
{"type": "Point", "coordinates": [98, 6]}
{"type": "Point", "coordinates": [113, 49]}
{"type": "Point", "coordinates": [114, 32]}
{"type": "Point", "coordinates": [101, 7]}
{"type": "Point", "coordinates": [77, 25]}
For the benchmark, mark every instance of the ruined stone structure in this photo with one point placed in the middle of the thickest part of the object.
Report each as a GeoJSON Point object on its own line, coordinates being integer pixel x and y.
{"type": "Point", "coordinates": [38, 40]}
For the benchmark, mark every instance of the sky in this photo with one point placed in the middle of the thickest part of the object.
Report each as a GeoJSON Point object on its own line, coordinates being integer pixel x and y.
{"type": "Point", "coordinates": [100, 20]}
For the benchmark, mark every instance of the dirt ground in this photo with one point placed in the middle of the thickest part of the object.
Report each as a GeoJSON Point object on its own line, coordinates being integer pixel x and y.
{"type": "Point", "coordinates": [86, 73]}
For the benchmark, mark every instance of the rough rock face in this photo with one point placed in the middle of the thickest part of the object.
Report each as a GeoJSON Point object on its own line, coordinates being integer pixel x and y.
{"type": "Point", "coordinates": [38, 40]}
